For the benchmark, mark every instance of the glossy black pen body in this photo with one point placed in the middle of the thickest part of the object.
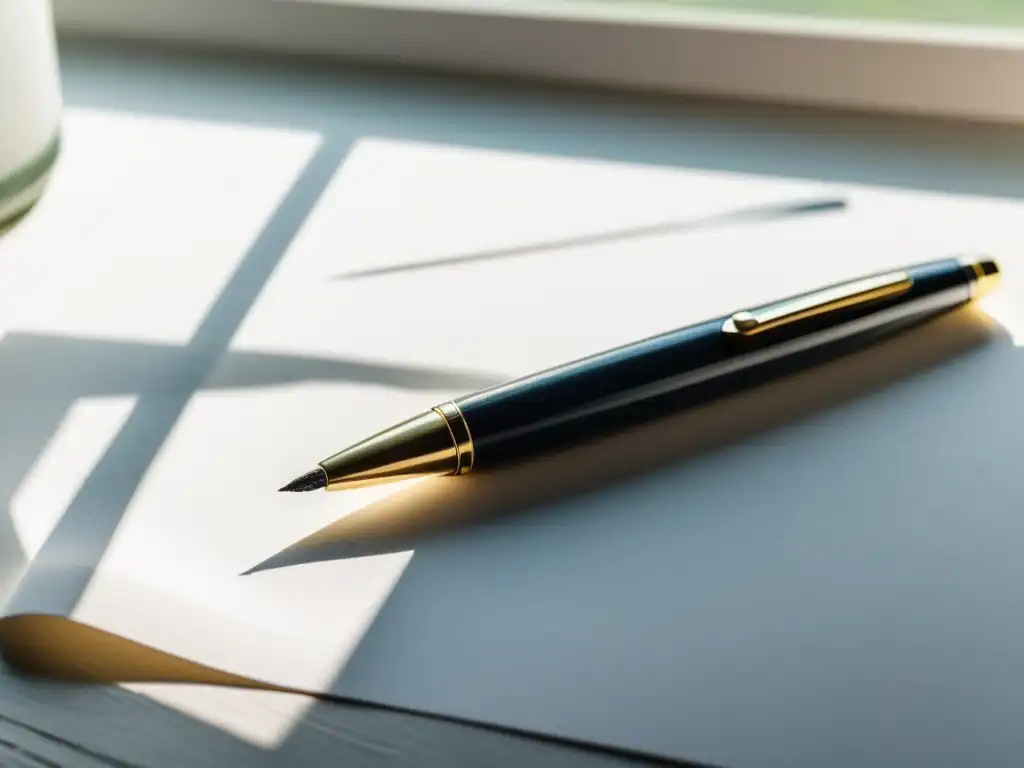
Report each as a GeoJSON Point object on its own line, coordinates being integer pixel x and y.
{"type": "Point", "coordinates": [633, 383]}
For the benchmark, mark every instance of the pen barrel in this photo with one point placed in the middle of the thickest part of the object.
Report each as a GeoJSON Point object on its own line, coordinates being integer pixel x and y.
{"type": "Point", "coordinates": [687, 367]}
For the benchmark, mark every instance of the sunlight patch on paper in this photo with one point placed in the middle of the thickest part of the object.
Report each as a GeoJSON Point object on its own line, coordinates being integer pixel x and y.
{"type": "Point", "coordinates": [145, 219]}
{"type": "Point", "coordinates": [86, 432]}
{"type": "Point", "coordinates": [1008, 314]}
{"type": "Point", "coordinates": [267, 718]}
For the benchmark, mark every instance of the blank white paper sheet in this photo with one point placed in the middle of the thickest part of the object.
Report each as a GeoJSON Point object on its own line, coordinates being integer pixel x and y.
{"type": "Point", "coordinates": [825, 567]}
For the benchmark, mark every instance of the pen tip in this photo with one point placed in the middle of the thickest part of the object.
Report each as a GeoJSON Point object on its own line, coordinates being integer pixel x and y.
{"type": "Point", "coordinates": [311, 481]}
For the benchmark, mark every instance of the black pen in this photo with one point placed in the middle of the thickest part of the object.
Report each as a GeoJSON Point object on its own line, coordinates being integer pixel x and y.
{"type": "Point", "coordinates": [619, 387]}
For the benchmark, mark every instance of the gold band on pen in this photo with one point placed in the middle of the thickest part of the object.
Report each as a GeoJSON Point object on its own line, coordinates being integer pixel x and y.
{"type": "Point", "coordinates": [986, 274]}
{"type": "Point", "coordinates": [460, 433]}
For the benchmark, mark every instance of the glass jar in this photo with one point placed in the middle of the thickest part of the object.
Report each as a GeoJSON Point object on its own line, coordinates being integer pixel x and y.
{"type": "Point", "coordinates": [30, 105]}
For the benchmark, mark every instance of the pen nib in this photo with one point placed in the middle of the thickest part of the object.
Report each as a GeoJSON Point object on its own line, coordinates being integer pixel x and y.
{"type": "Point", "coordinates": [311, 481]}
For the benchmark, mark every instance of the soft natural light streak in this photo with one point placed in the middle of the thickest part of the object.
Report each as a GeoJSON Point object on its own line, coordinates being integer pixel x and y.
{"type": "Point", "coordinates": [83, 435]}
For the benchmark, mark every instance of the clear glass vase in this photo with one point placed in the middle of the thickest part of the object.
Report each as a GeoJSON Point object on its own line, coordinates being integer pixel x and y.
{"type": "Point", "coordinates": [30, 105]}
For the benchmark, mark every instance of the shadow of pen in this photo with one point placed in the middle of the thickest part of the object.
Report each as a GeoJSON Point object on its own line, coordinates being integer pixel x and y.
{"type": "Point", "coordinates": [443, 506]}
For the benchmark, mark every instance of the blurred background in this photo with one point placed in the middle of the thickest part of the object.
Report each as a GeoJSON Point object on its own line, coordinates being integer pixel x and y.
{"type": "Point", "coordinates": [973, 12]}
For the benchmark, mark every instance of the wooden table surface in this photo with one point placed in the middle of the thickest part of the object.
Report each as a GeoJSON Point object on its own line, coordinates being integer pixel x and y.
{"type": "Point", "coordinates": [47, 723]}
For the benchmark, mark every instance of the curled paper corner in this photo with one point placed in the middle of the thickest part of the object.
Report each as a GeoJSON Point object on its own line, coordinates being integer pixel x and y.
{"type": "Point", "coordinates": [50, 646]}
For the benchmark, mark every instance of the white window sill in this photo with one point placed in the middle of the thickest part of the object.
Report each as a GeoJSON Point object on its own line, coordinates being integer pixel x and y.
{"type": "Point", "coordinates": [959, 73]}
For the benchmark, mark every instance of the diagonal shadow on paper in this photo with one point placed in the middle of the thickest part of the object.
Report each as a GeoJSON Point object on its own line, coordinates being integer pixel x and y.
{"type": "Point", "coordinates": [84, 531]}
{"type": "Point", "coordinates": [737, 217]}
{"type": "Point", "coordinates": [51, 372]}
{"type": "Point", "coordinates": [44, 375]}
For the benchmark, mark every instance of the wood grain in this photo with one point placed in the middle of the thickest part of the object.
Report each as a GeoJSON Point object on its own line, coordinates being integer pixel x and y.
{"type": "Point", "coordinates": [46, 723]}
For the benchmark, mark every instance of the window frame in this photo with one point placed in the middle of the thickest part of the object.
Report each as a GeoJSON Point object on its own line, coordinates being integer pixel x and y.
{"type": "Point", "coordinates": [942, 71]}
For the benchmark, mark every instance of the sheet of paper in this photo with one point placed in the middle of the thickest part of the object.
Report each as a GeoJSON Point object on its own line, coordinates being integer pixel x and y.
{"type": "Point", "coordinates": [816, 567]}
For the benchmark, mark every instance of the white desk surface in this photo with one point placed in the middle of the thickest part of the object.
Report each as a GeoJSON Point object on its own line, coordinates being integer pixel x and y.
{"type": "Point", "coordinates": [45, 723]}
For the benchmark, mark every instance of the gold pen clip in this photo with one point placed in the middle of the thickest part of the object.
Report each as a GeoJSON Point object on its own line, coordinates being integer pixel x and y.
{"type": "Point", "coordinates": [753, 321]}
